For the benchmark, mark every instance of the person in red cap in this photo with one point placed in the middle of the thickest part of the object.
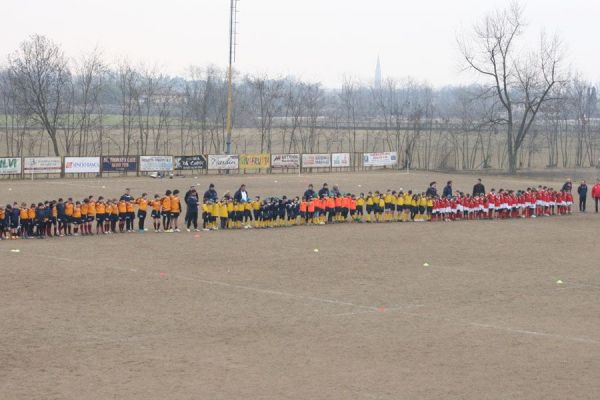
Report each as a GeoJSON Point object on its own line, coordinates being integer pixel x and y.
{"type": "Point", "coordinates": [596, 193]}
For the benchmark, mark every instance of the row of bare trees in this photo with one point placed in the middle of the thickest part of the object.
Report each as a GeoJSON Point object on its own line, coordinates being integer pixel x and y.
{"type": "Point", "coordinates": [526, 111]}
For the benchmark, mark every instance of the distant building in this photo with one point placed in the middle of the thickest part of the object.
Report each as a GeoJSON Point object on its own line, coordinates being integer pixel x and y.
{"type": "Point", "coordinates": [377, 80]}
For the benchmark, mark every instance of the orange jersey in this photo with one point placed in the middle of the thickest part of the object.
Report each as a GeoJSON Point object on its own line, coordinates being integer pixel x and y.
{"type": "Point", "coordinates": [303, 206]}
{"type": "Point", "coordinates": [92, 209]}
{"type": "Point", "coordinates": [115, 210]}
{"type": "Point", "coordinates": [130, 208]}
{"type": "Point", "coordinates": [165, 202]}
{"type": "Point", "coordinates": [77, 212]}
{"type": "Point", "coordinates": [142, 204]}
{"type": "Point", "coordinates": [155, 205]}
{"type": "Point", "coordinates": [175, 204]}
{"type": "Point", "coordinates": [100, 208]}
{"type": "Point", "coordinates": [23, 214]}
{"type": "Point", "coordinates": [122, 207]}
{"type": "Point", "coordinates": [69, 209]}
{"type": "Point", "coordinates": [84, 209]}
{"type": "Point", "coordinates": [352, 204]}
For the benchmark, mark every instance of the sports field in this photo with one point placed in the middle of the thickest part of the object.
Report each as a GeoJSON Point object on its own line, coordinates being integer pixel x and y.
{"type": "Point", "coordinates": [258, 314]}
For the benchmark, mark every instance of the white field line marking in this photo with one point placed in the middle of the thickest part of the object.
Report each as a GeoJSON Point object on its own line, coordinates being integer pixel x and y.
{"type": "Point", "coordinates": [276, 292]}
{"type": "Point", "coordinates": [385, 310]}
{"type": "Point", "coordinates": [230, 285]}
{"type": "Point", "coordinates": [369, 308]}
{"type": "Point", "coordinates": [458, 269]}
{"type": "Point", "coordinates": [567, 284]}
{"type": "Point", "coordinates": [578, 285]}
{"type": "Point", "coordinates": [534, 333]}
{"type": "Point", "coordinates": [459, 321]}
{"type": "Point", "coordinates": [77, 184]}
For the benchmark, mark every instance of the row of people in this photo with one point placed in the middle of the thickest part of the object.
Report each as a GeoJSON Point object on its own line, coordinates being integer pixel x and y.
{"type": "Point", "coordinates": [105, 216]}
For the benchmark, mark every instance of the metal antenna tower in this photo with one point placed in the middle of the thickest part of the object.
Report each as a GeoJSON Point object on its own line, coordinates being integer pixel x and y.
{"type": "Point", "coordinates": [233, 21]}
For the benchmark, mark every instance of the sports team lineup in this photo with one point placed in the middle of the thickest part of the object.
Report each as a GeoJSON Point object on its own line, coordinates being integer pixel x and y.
{"type": "Point", "coordinates": [172, 212]}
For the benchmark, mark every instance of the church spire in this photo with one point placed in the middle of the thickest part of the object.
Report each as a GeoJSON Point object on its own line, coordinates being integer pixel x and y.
{"type": "Point", "coordinates": [377, 81]}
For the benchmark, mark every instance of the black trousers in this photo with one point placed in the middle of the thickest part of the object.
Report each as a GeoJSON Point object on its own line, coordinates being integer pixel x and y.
{"type": "Point", "coordinates": [582, 203]}
{"type": "Point", "coordinates": [596, 200]}
{"type": "Point", "coordinates": [191, 218]}
{"type": "Point", "coordinates": [141, 219]}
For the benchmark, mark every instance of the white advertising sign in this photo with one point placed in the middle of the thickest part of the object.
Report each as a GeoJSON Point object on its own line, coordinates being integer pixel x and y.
{"type": "Point", "coordinates": [156, 163]}
{"type": "Point", "coordinates": [285, 160]}
{"type": "Point", "coordinates": [380, 159]}
{"type": "Point", "coordinates": [224, 161]}
{"type": "Point", "coordinates": [10, 165]}
{"type": "Point", "coordinates": [82, 165]}
{"type": "Point", "coordinates": [340, 160]}
{"type": "Point", "coordinates": [42, 165]}
{"type": "Point", "coordinates": [316, 160]}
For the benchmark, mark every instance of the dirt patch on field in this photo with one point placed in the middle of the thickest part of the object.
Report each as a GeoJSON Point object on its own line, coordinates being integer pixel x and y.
{"type": "Point", "coordinates": [257, 314]}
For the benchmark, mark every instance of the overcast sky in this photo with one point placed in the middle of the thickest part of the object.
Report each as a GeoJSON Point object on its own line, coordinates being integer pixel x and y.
{"type": "Point", "coordinates": [320, 40]}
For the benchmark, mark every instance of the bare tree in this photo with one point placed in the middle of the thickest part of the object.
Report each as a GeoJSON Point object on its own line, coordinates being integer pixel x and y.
{"type": "Point", "coordinates": [127, 79]}
{"type": "Point", "coordinates": [267, 93]}
{"type": "Point", "coordinates": [40, 77]}
{"type": "Point", "coordinates": [522, 83]}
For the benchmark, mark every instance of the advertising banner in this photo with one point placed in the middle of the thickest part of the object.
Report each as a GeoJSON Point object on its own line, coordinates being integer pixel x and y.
{"type": "Point", "coordinates": [316, 160]}
{"type": "Point", "coordinates": [10, 165]}
{"type": "Point", "coordinates": [82, 165]}
{"type": "Point", "coordinates": [340, 160]}
{"type": "Point", "coordinates": [42, 165]}
{"type": "Point", "coordinates": [223, 161]}
{"type": "Point", "coordinates": [255, 161]}
{"type": "Point", "coordinates": [156, 163]}
{"type": "Point", "coordinates": [119, 164]}
{"type": "Point", "coordinates": [190, 162]}
{"type": "Point", "coordinates": [380, 159]}
{"type": "Point", "coordinates": [285, 160]}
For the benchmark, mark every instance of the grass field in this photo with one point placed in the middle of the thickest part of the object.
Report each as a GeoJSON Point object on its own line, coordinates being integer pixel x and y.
{"type": "Point", "coordinates": [257, 314]}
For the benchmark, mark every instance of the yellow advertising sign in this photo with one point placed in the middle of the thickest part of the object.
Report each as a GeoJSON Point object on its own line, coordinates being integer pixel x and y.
{"type": "Point", "coordinates": [255, 161]}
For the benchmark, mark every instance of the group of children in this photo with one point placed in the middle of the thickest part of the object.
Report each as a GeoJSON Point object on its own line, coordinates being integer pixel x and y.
{"type": "Point", "coordinates": [89, 216]}
{"type": "Point", "coordinates": [92, 215]}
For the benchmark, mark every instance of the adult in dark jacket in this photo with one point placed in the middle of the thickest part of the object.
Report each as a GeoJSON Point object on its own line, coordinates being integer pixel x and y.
{"type": "Point", "coordinates": [310, 192]}
{"type": "Point", "coordinates": [191, 217]}
{"type": "Point", "coordinates": [431, 190]}
{"type": "Point", "coordinates": [447, 190]}
{"type": "Point", "coordinates": [335, 192]}
{"type": "Point", "coordinates": [191, 192]}
{"type": "Point", "coordinates": [241, 196]}
{"type": "Point", "coordinates": [478, 189]}
{"type": "Point", "coordinates": [210, 194]}
{"type": "Point", "coordinates": [191, 200]}
{"type": "Point", "coordinates": [582, 192]}
{"type": "Point", "coordinates": [568, 186]}
{"type": "Point", "coordinates": [127, 195]}
{"type": "Point", "coordinates": [324, 191]}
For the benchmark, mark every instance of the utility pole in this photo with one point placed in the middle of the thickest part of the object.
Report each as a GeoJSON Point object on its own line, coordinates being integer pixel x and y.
{"type": "Point", "coordinates": [232, 46]}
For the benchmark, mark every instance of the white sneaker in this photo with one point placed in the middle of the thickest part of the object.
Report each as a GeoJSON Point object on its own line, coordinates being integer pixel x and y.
{"type": "Point", "coordinates": [177, 230]}
{"type": "Point", "coordinates": [188, 229]}
{"type": "Point", "coordinates": [196, 230]}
